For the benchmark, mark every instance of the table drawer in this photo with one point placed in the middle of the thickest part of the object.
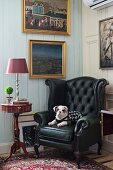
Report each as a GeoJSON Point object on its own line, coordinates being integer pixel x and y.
{"type": "Point", "coordinates": [17, 108]}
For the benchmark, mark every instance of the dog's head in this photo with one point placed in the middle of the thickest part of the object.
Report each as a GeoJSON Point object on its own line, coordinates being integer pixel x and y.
{"type": "Point", "coordinates": [61, 111]}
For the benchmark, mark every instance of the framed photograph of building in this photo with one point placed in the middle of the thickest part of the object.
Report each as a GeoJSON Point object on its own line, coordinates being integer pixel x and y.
{"type": "Point", "coordinates": [106, 43]}
{"type": "Point", "coordinates": [27, 134]}
{"type": "Point", "coordinates": [46, 16]}
{"type": "Point", "coordinates": [47, 59]}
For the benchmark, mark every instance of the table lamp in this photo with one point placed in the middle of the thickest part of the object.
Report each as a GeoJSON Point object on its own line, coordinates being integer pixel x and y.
{"type": "Point", "coordinates": [17, 65]}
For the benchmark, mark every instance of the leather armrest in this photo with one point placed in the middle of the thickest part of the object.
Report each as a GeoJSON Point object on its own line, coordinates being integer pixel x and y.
{"type": "Point", "coordinates": [44, 117]}
{"type": "Point", "coordinates": [86, 122]}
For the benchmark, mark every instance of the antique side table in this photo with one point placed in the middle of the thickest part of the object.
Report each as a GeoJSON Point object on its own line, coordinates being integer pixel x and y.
{"type": "Point", "coordinates": [17, 109]}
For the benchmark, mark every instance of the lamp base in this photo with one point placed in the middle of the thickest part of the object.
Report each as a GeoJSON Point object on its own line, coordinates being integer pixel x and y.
{"type": "Point", "coordinates": [9, 99]}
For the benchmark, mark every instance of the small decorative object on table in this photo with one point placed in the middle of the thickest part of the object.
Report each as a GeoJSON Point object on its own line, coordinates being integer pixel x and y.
{"type": "Point", "coordinates": [9, 91]}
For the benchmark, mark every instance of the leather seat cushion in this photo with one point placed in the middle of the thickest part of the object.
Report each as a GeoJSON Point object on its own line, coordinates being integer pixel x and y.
{"type": "Point", "coordinates": [54, 133]}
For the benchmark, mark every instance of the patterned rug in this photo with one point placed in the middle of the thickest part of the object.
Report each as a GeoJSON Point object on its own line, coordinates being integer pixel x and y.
{"type": "Point", "coordinates": [51, 160]}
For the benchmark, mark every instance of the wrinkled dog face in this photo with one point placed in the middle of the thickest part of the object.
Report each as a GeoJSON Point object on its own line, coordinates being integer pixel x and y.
{"type": "Point", "coordinates": [61, 112]}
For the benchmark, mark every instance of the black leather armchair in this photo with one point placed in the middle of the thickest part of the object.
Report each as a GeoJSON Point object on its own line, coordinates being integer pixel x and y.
{"type": "Point", "coordinates": [83, 94]}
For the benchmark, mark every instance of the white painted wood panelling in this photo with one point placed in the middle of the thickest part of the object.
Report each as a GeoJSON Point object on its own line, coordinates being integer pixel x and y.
{"type": "Point", "coordinates": [91, 52]}
{"type": "Point", "coordinates": [15, 43]}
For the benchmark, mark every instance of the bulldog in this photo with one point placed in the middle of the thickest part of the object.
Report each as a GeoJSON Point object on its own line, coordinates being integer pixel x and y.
{"type": "Point", "coordinates": [61, 116]}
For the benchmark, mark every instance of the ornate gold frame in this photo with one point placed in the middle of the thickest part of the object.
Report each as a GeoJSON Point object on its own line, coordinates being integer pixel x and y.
{"type": "Point", "coordinates": [56, 24]}
{"type": "Point", "coordinates": [47, 59]}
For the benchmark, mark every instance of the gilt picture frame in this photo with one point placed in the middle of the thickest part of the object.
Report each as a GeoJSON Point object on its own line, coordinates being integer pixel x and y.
{"type": "Point", "coordinates": [47, 59]}
{"type": "Point", "coordinates": [106, 43]}
{"type": "Point", "coordinates": [46, 16]}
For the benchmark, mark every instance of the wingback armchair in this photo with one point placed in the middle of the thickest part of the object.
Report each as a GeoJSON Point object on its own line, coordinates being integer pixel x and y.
{"type": "Point", "coordinates": [83, 94]}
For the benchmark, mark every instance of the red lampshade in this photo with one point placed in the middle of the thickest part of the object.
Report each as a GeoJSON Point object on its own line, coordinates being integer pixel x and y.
{"type": "Point", "coordinates": [17, 65]}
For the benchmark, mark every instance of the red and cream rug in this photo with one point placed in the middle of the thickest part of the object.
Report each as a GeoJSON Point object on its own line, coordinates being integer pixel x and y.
{"type": "Point", "coordinates": [51, 160]}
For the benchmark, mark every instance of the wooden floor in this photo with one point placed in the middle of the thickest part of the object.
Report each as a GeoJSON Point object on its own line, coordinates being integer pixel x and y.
{"type": "Point", "coordinates": [106, 158]}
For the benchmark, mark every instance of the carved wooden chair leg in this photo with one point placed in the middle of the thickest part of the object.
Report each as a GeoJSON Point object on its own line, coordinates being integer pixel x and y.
{"type": "Point", "coordinates": [36, 146]}
{"type": "Point", "coordinates": [78, 158]}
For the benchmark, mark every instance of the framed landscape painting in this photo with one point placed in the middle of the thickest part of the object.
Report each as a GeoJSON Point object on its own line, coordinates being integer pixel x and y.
{"type": "Point", "coordinates": [46, 16]}
{"type": "Point", "coordinates": [106, 43]}
{"type": "Point", "coordinates": [47, 59]}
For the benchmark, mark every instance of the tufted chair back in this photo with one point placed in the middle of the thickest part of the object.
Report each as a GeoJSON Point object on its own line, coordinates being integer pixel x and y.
{"type": "Point", "coordinates": [79, 94]}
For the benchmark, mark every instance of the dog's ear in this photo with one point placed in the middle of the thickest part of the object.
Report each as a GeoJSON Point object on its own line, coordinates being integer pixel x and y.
{"type": "Point", "coordinates": [55, 108]}
{"type": "Point", "coordinates": [66, 108]}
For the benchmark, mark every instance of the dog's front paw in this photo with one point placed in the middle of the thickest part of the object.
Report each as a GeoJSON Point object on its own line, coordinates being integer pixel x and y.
{"type": "Point", "coordinates": [62, 124]}
{"type": "Point", "coordinates": [50, 123]}
{"type": "Point", "coordinates": [59, 124]}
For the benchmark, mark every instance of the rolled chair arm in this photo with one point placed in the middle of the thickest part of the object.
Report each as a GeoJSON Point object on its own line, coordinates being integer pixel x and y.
{"type": "Point", "coordinates": [86, 122]}
{"type": "Point", "coordinates": [44, 117]}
